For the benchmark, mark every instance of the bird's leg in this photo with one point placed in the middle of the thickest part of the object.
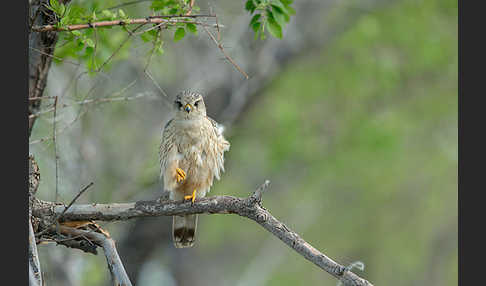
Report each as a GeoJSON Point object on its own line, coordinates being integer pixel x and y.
{"type": "Point", "coordinates": [191, 197]}
{"type": "Point", "coordinates": [180, 175]}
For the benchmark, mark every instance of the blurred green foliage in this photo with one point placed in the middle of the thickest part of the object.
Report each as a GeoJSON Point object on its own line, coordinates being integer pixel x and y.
{"type": "Point", "coordinates": [95, 47]}
{"type": "Point", "coordinates": [359, 141]}
{"type": "Point", "coordinates": [366, 133]}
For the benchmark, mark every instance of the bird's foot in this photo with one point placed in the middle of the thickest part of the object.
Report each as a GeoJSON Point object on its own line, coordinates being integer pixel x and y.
{"type": "Point", "coordinates": [191, 197]}
{"type": "Point", "coordinates": [180, 175]}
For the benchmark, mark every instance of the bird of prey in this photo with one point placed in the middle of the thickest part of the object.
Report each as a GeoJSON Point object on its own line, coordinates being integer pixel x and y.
{"type": "Point", "coordinates": [191, 156]}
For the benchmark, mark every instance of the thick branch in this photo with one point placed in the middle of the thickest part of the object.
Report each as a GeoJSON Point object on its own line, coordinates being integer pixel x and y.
{"type": "Point", "coordinates": [34, 258]}
{"type": "Point", "coordinates": [246, 207]}
{"type": "Point", "coordinates": [35, 275]}
{"type": "Point", "coordinates": [39, 63]}
{"type": "Point", "coordinates": [148, 20]}
{"type": "Point", "coordinates": [32, 280]}
{"type": "Point", "coordinates": [118, 274]}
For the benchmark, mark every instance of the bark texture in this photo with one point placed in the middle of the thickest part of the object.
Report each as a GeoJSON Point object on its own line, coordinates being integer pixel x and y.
{"type": "Point", "coordinates": [41, 49]}
{"type": "Point", "coordinates": [247, 207]}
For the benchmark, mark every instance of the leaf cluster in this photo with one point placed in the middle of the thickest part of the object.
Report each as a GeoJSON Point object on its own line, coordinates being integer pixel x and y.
{"type": "Point", "coordinates": [272, 15]}
{"type": "Point", "coordinates": [94, 46]}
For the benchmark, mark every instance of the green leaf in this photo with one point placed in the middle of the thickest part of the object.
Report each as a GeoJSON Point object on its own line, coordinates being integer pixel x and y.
{"type": "Point", "coordinates": [67, 14]}
{"type": "Point", "coordinates": [53, 5]}
{"type": "Point", "coordinates": [250, 6]}
{"type": "Point", "coordinates": [274, 28]}
{"type": "Point", "coordinates": [290, 10]}
{"type": "Point", "coordinates": [89, 51]}
{"type": "Point", "coordinates": [79, 45]}
{"type": "Point", "coordinates": [107, 13]}
{"type": "Point", "coordinates": [192, 28]}
{"type": "Point", "coordinates": [159, 50]}
{"type": "Point", "coordinates": [75, 13]}
{"type": "Point", "coordinates": [179, 34]}
{"type": "Point", "coordinates": [62, 9]}
{"type": "Point", "coordinates": [146, 37]}
{"type": "Point", "coordinates": [57, 7]}
{"type": "Point", "coordinates": [278, 5]}
{"type": "Point", "coordinates": [256, 26]}
{"type": "Point", "coordinates": [279, 16]}
{"type": "Point", "coordinates": [255, 19]}
{"type": "Point", "coordinates": [286, 2]}
{"type": "Point", "coordinates": [122, 13]}
{"type": "Point", "coordinates": [89, 43]}
{"type": "Point", "coordinates": [174, 11]}
{"type": "Point", "coordinates": [63, 21]}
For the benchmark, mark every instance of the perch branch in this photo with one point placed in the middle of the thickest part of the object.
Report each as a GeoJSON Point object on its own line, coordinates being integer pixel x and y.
{"type": "Point", "coordinates": [247, 207]}
{"type": "Point", "coordinates": [118, 274]}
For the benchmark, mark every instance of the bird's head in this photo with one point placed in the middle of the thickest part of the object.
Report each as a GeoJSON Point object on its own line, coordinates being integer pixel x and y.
{"type": "Point", "coordinates": [189, 105]}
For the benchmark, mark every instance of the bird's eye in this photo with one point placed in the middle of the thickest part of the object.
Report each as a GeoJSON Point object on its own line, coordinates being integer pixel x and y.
{"type": "Point", "coordinates": [197, 103]}
{"type": "Point", "coordinates": [178, 104]}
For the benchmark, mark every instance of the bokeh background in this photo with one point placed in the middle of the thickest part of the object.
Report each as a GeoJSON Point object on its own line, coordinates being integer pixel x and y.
{"type": "Point", "coordinates": [352, 116]}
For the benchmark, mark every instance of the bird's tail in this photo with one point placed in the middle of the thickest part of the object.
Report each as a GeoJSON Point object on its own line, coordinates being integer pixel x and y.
{"type": "Point", "coordinates": [184, 230]}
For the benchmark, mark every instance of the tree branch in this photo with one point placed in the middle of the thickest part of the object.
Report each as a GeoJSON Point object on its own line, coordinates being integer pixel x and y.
{"type": "Point", "coordinates": [32, 280]}
{"type": "Point", "coordinates": [247, 207]}
{"type": "Point", "coordinates": [118, 274]}
{"type": "Point", "coordinates": [220, 46]}
{"type": "Point", "coordinates": [169, 19]}
{"type": "Point", "coordinates": [39, 62]}
{"type": "Point", "coordinates": [34, 257]}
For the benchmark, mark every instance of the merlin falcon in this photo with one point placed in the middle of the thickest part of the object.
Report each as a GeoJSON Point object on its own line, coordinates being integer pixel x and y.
{"type": "Point", "coordinates": [191, 156]}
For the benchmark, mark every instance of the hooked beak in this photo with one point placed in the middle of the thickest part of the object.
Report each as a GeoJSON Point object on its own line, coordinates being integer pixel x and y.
{"type": "Point", "coordinates": [188, 108]}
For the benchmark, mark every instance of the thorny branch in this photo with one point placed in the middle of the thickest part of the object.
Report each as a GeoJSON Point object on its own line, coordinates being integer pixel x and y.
{"type": "Point", "coordinates": [247, 207]}
{"type": "Point", "coordinates": [220, 46]}
{"type": "Point", "coordinates": [168, 19]}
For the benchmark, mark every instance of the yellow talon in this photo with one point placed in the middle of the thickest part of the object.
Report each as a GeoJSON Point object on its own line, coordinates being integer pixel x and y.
{"type": "Point", "coordinates": [180, 175]}
{"type": "Point", "coordinates": [191, 197]}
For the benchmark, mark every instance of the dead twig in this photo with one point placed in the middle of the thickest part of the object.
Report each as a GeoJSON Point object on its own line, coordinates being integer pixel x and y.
{"type": "Point", "coordinates": [55, 149]}
{"type": "Point", "coordinates": [220, 46]}
{"type": "Point", "coordinates": [111, 98]}
{"type": "Point", "coordinates": [130, 34]}
{"type": "Point", "coordinates": [125, 4]}
{"type": "Point", "coordinates": [145, 70]}
{"type": "Point", "coordinates": [55, 220]}
{"type": "Point", "coordinates": [76, 197]}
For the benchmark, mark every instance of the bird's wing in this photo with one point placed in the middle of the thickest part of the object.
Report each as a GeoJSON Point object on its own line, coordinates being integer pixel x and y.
{"type": "Point", "coordinates": [218, 128]}
{"type": "Point", "coordinates": [220, 146]}
{"type": "Point", "coordinates": [166, 148]}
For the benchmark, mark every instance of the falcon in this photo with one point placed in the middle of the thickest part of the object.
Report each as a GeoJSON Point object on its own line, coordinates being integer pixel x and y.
{"type": "Point", "coordinates": [191, 156]}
